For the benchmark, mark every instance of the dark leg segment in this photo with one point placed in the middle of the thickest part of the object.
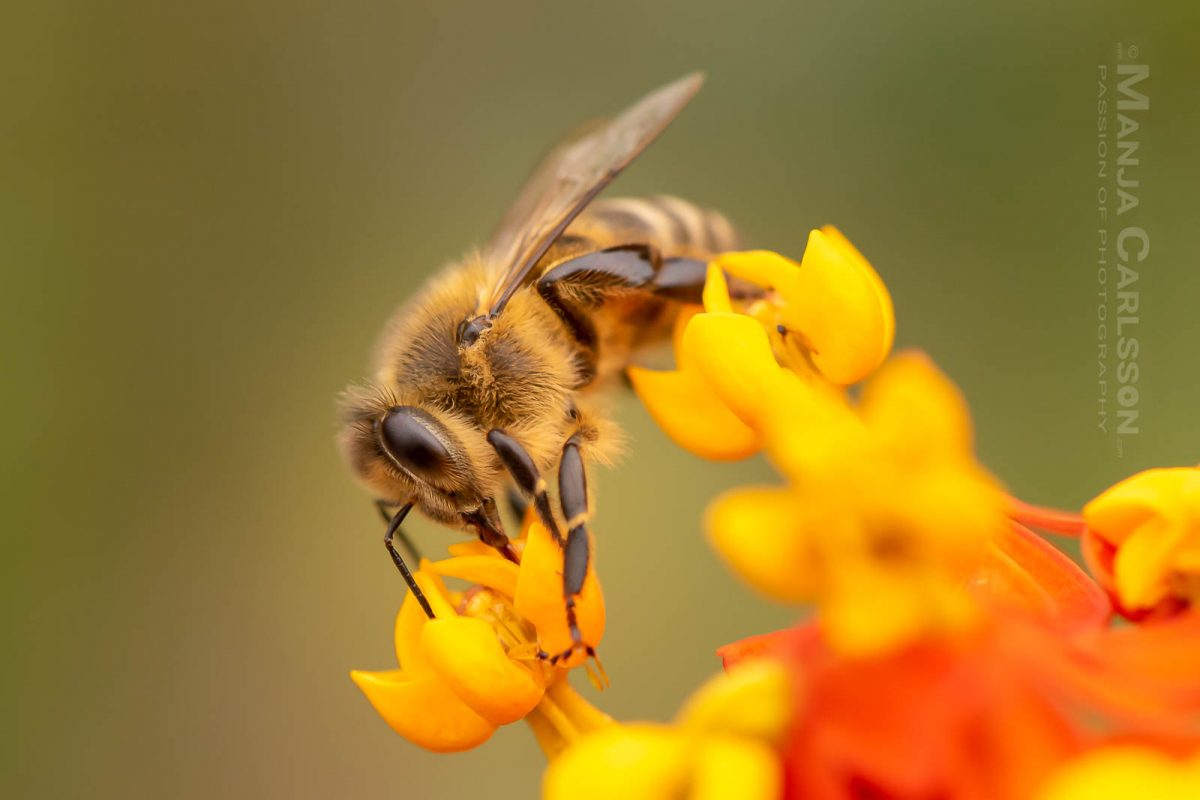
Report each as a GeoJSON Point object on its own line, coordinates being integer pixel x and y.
{"type": "Point", "coordinates": [525, 473]}
{"type": "Point", "coordinates": [386, 510]}
{"type": "Point", "coordinates": [572, 490]}
{"type": "Point", "coordinates": [683, 279]}
{"type": "Point", "coordinates": [393, 529]}
{"type": "Point", "coordinates": [486, 522]}
{"type": "Point", "coordinates": [580, 284]}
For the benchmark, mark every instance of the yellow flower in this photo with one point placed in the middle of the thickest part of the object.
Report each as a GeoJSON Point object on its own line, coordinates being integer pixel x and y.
{"type": "Point", "coordinates": [883, 510]}
{"type": "Point", "coordinates": [476, 665]}
{"type": "Point", "coordinates": [832, 306]}
{"type": "Point", "coordinates": [828, 321]}
{"type": "Point", "coordinates": [1123, 772]}
{"type": "Point", "coordinates": [723, 744]}
{"type": "Point", "coordinates": [1145, 536]}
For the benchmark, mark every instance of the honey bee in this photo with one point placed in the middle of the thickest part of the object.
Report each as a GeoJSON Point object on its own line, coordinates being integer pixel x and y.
{"type": "Point", "coordinates": [494, 374]}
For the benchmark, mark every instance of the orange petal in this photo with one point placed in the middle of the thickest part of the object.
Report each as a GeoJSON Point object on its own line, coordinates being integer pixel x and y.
{"type": "Point", "coordinates": [1066, 523]}
{"type": "Point", "coordinates": [539, 597]}
{"type": "Point", "coordinates": [424, 710]}
{"type": "Point", "coordinates": [467, 655]}
{"type": "Point", "coordinates": [1021, 571]}
{"type": "Point", "coordinates": [689, 412]}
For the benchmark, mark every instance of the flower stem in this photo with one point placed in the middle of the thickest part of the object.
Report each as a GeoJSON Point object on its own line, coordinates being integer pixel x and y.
{"type": "Point", "coordinates": [562, 716]}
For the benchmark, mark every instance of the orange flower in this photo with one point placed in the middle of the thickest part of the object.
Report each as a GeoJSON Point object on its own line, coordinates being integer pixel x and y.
{"type": "Point", "coordinates": [987, 714]}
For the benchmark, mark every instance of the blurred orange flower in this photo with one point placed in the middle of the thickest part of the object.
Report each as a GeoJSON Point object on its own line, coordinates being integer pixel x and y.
{"type": "Point", "coordinates": [987, 714]}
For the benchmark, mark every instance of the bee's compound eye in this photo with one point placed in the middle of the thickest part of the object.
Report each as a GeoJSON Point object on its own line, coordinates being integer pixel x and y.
{"type": "Point", "coordinates": [407, 434]}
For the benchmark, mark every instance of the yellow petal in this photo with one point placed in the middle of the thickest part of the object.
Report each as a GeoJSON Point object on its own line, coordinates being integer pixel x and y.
{"type": "Point", "coordinates": [752, 699]}
{"type": "Point", "coordinates": [728, 767]}
{"type": "Point", "coordinates": [871, 610]}
{"type": "Point", "coordinates": [1122, 773]}
{"type": "Point", "coordinates": [681, 322]}
{"type": "Point", "coordinates": [735, 357]}
{"type": "Point", "coordinates": [837, 307]}
{"type": "Point", "coordinates": [1117, 512]}
{"type": "Point", "coordinates": [763, 268]}
{"type": "Point", "coordinates": [716, 291]}
{"type": "Point", "coordinates": [689, 412]}
{"type": "Point", "coordinates": [632, 762]}
{"type": "Point", "coordinates": [472, 547]}
{"type": "Point", "coordinates": [409, 623]}
{"type": "Point", "coordinates": [539, 596]}
{"type": "Point", "coordinates": [411, 619]}
{"type": "Point", "coordinates": [1143, 563]}
{"type": "Point", "coordinates": [916, 410]}
{"type": "Point", "coordinates": [424, 710]}
{"type": "Point", "coordinates": [467, 655]}
{"type": "Point", "coordinates": [808, 430]}
{"type": "Point", "coordinates": [758, 533]}
{"type": "Point", "coordinates": [484, 570]}
{"type": "Point", "coordinates": [885, 297]}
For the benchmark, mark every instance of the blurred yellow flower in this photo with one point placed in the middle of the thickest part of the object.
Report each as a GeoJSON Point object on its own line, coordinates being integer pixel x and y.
{"type": "Point", "coordinates": [476, 665]}
{"type": "Point", "coordinates": [885, 507]}
{"type": "Point", "coordinates": [723, 744]}
{"type": "Point", "coordinates": [828, 321]}
{"type": "Point", "coordinates": [1144, 536]}
{"type": "Point", "coordinates": [1125, 772]}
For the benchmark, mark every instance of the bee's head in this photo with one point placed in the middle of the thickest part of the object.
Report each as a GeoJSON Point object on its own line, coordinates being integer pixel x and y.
{"type": "Point", "coordinates": [408, 453]}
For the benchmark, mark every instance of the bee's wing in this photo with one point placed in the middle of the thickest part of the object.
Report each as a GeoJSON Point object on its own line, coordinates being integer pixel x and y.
{"type": "Point", "coordinates": [573, 174]}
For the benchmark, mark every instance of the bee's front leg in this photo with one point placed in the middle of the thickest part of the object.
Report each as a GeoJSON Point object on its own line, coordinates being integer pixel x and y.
{"type": "Point", "coordinates": [387, 510]}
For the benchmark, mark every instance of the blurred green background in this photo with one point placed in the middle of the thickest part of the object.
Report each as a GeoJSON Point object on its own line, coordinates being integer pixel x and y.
{"type": "Point", "coordinates": [209, 209]}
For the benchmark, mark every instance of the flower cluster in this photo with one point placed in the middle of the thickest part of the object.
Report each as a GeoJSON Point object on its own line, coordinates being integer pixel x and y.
{"type": "Point", "coordinates": [479, 663]}
{"type": "Point", "coordinates": [952, 651]}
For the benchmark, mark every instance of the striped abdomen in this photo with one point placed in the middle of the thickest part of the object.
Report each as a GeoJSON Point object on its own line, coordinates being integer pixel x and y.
{"type": "Point", "coordinates": [676, 227]}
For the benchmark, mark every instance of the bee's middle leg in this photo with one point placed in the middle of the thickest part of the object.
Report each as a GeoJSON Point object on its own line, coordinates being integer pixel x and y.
{"type": "Point", "coordinates": [572, 494]}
